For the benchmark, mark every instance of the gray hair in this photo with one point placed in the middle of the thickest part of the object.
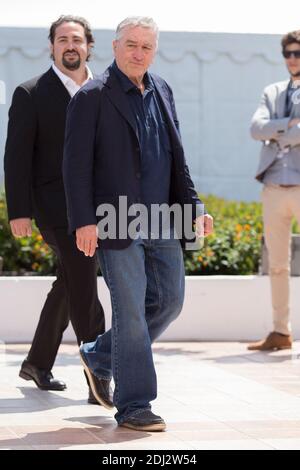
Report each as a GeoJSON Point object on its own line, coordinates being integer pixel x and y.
{"type": "Point", "coordinates": [132, 21]}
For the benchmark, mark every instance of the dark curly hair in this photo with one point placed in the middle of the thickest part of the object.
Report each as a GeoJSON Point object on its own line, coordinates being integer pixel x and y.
{"type": "Point", "coordinates": [290, 38]}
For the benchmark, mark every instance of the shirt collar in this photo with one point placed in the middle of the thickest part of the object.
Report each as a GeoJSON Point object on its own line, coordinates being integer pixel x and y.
{"type": "Point", "coordinates": [127, 84]}
{"type": "Point", "coordinates": [66, 80]}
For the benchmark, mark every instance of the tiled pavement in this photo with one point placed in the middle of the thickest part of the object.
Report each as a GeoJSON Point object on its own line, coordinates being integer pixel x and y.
{"type": "Point", "coordinates": [212, 395]}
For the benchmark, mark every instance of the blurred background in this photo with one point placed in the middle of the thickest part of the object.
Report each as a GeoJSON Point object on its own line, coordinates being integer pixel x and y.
{"type": "Point", "coordinates": [217, 56]}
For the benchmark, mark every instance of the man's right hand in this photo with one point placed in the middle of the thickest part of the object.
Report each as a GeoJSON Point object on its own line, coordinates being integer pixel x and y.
{"type": "Point", "coordinates": [87, 239]}
{"type": "Point", "coordinates": [293, 122]}
{"type": "Point", "coordinates": [21, 227]}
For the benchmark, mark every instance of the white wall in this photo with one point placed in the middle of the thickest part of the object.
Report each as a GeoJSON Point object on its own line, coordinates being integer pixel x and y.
{"type": "Point", "coordinates": [217, 80]}
{"type": "Point", "coordinates": [231, 308]}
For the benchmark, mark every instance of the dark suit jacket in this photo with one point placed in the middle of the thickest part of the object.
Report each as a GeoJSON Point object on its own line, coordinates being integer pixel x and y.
{"type": "Point", "coordinates": [34, 151]}
{"type": "Point", "coordinates": [102, 152]}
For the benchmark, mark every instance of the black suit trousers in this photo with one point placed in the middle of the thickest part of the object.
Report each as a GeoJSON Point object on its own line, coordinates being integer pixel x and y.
{"type": "Point", "coordinates": [73, 297]}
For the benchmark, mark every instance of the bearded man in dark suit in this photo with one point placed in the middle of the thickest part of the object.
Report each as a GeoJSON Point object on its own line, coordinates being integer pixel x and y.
{"type": "Point", "coordinates": [34, 190]}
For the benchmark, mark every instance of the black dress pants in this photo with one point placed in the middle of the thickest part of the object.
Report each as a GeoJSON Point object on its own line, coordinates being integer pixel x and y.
{"type": "Point", "coordinates": [73, 297]}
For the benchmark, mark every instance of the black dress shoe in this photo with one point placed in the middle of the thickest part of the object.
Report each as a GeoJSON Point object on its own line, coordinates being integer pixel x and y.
{"type": "Point", "coordinates": [42, 378]}
{"type": "Point", "coordinates": [100, 387]}
{"type": "Point", "coordinates": [145, 420]}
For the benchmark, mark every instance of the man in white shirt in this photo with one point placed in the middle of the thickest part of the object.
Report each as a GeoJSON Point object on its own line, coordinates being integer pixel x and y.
{"type": "Point", "coordinates": [34, 190]}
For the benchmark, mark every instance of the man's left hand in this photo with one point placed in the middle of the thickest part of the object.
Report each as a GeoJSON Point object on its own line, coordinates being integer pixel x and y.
{"type": "Point", "coordinates": [204, 225]}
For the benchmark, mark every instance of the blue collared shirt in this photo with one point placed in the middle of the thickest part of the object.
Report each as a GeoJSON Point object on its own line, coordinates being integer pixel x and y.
{"type": "Point", "coordinates": [154, 140]}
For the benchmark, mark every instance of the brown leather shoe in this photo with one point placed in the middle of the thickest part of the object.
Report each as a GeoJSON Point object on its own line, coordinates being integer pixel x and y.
{"type": "Point", "coordinates": [273, 341]}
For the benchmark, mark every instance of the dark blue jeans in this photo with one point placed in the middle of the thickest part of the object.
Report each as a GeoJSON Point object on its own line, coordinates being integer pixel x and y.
{"type": "Point", "coordinates": [146, 283]}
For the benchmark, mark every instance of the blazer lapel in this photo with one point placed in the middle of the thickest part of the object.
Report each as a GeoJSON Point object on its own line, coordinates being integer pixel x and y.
{"type": "Point", "coordinates": [165, 102]}
{"type": "Point", "coordinates": [119, 100]}
{"type": "Point", "coordinates": [53, 81]}
{"type": "Point", "coordinates": [281, 102]}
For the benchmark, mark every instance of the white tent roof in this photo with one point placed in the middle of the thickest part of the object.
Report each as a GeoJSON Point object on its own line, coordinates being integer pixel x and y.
{"type": "Point", "coordinates": [255, 16]}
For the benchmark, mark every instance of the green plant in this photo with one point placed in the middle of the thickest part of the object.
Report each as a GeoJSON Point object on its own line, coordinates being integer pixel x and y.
{"type": "Point", "coordinates": [233, 248]}
{"type": "Point", "coordinates": [24, 255]}
{"type": "Point", "coordinates": [235, 245]}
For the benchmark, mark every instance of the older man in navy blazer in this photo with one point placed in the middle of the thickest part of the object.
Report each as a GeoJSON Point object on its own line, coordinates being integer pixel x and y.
{"type": "Point", "coordinates": [122, 139]}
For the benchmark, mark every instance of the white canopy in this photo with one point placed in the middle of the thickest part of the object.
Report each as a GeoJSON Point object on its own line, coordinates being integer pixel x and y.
{"type": "Point", "coordinates": [232, 16]}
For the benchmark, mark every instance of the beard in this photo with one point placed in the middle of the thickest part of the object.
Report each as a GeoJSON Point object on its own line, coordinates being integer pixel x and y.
{"type": "Point", "coordinates": [71, 65]}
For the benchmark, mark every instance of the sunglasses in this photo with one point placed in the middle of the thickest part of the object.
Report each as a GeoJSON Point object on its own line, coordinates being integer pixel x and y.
{"type": "Point", "coordinates": [288, 54]}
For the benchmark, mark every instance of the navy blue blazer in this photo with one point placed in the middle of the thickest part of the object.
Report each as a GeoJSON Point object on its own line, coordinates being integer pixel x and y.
{"type": "Point", "coordinates": [102, 153]}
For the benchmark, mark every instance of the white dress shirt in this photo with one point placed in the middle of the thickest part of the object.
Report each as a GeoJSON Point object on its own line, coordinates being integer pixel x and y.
{"type": "Point", "coordinates": [69, 83]}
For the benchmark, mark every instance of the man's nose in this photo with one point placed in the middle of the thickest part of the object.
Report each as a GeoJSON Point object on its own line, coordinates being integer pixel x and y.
{"type": "Point", "coordinates": [138, 54]}
{"type": "Point", "coordinates": [71, 46]}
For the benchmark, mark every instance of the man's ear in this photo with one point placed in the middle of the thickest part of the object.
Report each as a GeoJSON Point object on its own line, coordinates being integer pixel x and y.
{"type": "Point", "coordinates": [51, 49]}
{"type": "Point", "coordinates": [89, 51]}
{"type": "Point", "coordinates": [114, 45]}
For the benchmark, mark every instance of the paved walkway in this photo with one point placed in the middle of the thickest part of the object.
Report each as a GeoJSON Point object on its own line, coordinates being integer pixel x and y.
{"type": "Point", "coordinates": [212, 396]}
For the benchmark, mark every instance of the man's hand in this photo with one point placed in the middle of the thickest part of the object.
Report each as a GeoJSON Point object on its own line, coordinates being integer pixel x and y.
{"type": "Point", "coordinates": [86, 239]}
{"type": "Point", "coordinates": [21, 227]}
{"type": "Point", "coordinates": [293, 122]}
{"type": "Point", "coordinates": [204, 225]}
